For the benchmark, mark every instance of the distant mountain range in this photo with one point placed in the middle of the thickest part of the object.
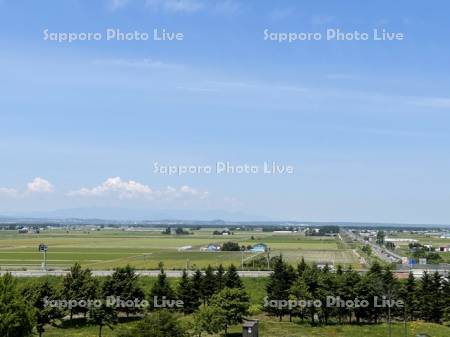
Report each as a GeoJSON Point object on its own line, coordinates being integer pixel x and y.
{"type": "Point", "coordinates": [127, 214]}
{"type": "Point", "coordinates": [118, 215]}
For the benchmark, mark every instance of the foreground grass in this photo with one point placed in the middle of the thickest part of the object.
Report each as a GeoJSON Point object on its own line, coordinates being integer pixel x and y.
{"type": "Point", "coordinates": [272, 328]}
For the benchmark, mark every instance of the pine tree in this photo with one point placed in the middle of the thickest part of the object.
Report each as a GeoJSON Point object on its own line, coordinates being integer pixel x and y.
{"type": "Point", "coordinates": [409, 297]}
{"type": "Point", "coordinates": [302, 266]}
{"type": "Point", "coordinates": [197, 288]}
{"type": "Point", "coordinates": [208, 284]}
{"type": "Point", "coordinates": [426, 297]}
{"type": "Point", "coordinates": [299, 292]}
{"type": "Point", "coordinates": [232, 279]}
{"type": "Point", "coordinates": [279, 285]}
{"type": "Point", "coordinates": [437, 304]}
{"type": "Point", "coordinates": [184, 292]}
{"type": "Point", "coordinates": [328, 284]}
{"type": "Point", "coordinates": [446, 297]}
{"type": "Point", "coordinates": [124, 284]}
{"type": "Point", "coordinates": [220, 278]}
{"type": "Point", "coordinates": [346, 290]}
{"type": "Point", "coordinates": [161, 289]}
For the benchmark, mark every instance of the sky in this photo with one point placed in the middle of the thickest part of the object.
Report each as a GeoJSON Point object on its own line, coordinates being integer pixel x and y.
{"type": "Point", "coordinates": [364, 124]}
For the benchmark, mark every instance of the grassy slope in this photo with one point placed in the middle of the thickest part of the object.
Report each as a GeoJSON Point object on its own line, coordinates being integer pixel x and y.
{"type": "Point", "coordinates": [270, 327]}
{"type": "Point", "coordinates": [273, 328]}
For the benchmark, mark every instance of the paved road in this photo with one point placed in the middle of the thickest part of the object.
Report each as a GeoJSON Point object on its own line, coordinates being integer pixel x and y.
{"type": "Point", "coordinates": [381, 252]}
{"type": "Point", "coordinates": [418, 272]}
{"type": "Point", "coordinates": [170, 273]}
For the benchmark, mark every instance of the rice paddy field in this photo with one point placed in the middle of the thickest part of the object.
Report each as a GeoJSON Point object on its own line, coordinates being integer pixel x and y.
{"type": "Point", "coordinates": [144, 249]}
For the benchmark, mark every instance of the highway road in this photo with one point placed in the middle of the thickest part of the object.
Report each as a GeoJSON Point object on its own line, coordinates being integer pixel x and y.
{"type": "Point", "coordinates": [170, 273]}
{"type": "Point", "coordinates": [383, 253]}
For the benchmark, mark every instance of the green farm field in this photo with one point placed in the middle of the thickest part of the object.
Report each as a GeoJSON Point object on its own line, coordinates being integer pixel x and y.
{"type": "Point", "coordinates": [107, 249]}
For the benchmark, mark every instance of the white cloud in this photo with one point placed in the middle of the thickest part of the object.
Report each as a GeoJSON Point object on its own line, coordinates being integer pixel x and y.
{"type": "Point", "coordinates": [340, 76]}
{"type": "Point", "coordinates": [39, 185]}
{"type": "Point", "coordinates": [9, 192]}
{"type": "Point", "coordinates": [117, 4]}
{"type": "Point", "coordinates": [197, 89]}
{"type": "Point", "coordinates": [322, 19]}
{"type": "Point", "coordinates": [140, 63]}
{"type": "Point", "coordinates": [431, 102]}
{"type": "Point", "coordinates": [281, 13]}
{"type": "Point", "coordinates": [122, 189]}
{"type": "Point", "coordinates": [178, 6]}
{"type": "Point", "coordinates": [227, 7]}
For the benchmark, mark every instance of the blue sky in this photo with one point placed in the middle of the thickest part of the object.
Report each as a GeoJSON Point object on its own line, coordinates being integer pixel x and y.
{"type": "Point", "coordinates": [365, 124]}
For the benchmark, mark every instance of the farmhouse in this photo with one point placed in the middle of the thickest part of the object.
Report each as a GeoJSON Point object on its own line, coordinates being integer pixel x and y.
{"type": "Point", "coordinates": [400, 240]}
{"type": "Point", "coordinates": [213, 248]}
{"type": "Point", "coordinates": [259, 248]}
{"type": "Point", "coordinates": [444, 248]}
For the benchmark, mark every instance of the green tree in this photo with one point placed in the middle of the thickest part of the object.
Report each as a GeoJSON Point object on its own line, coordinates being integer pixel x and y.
{"type": "Point", "coordinates": [210, 319]}
{"type": "Point", "coordinates": [278, 286]}
{"type": "Point", "coordinates": [299, 292]}
{"type": "Point", "coordinates": [230, 246]}
{"type": "Point", "coordinates": [220, 278]}
{"type": "Point", "coordinates": [368, 289]}
{"type": "Point", "coordinates": [161, 289]}
{"type": "Point", "coordinates": [232, 279]}
{"type": "Point", "coordinates": [328, 287]}
{"type": "Point", "coordinates": [381, 235]}
{"type": "Point", "coordinates": [16, 316]}
{"type": "Point", "coordinates": [37, 296]}
{"type": "Point", "coordinates": [302, 266]}
{"type": "Point", "coordinates": [197, 288]}
{"type": "Point", "coordinates": [438, 300]}
{"type": "Point", "coordinates": [425, 294]}
{"type": "Point", "coordinates": [160, 323]}
{"type": "Point", "coordinates": [79, 285]}
{"type": "Point", "coordinates": [102, 316]}
{"type": "Point", "coordinates": [235, 304]}
{"type": "Point", "coordinates": [123, 283]}
{"type": "Point", "coordinates": [446, 297]}
{"type": "Point", "coordinates": [208, 284]}
{"type": "Point", "coordinates": [185, 294]}
{"type": "Point", "coordinates": [409, 296]}
{"type": "Point", "coordinates": [367, 249]}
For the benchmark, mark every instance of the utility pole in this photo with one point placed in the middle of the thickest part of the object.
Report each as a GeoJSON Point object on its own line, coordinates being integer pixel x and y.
{"type": "Point", "coordinates": [43, 249]}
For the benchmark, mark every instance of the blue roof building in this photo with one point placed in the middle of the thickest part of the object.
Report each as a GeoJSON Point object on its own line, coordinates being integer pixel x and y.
{"type": "Point", "coordinates": [259, 248]}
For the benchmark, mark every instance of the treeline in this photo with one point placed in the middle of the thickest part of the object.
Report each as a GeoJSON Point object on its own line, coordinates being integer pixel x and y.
{"type": "Point", "coordinates": [323, 230]}
{"type": "Point", "coordinates": [426, 299]}
{"type": "Point", "coordinates": [216, 299]}
{"type": "Point", "coordinates": [420, 251]}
